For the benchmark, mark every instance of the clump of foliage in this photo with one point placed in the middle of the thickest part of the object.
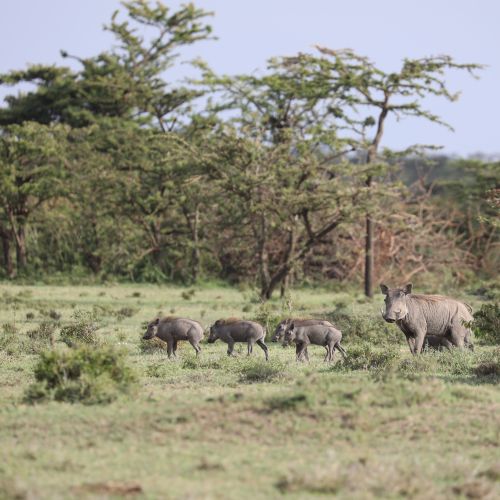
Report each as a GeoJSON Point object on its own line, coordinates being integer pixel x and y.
{"type": "Point", "coordinates": [486, 324]}
{"type": "Point", "coordinates": [125, 312]}
{"type": "Point", "coordinates": [82, 330]}
{"type": "Point", "coordinates": [188, 294]}
{"type": "Point", "coordinates": [84, 374]}
{"type": "Point", "coordinates": [9, 338]}
{"type": "Point", "coordinates": [288, 402]}
{"type": "Point", "coordinates": [152, 346]}
{"type": "Point", "coordinates": [365, 357]}
{"type": "Point", "coordinates": [454, 362]}
{"type": "Point", "coordinates": [489, 364]}
{"type": "Point", "coordinates": [41, 337]}
{"type": "Point", "coordinates": [269, 315]}
{"type": "Point", "coordinates": [260, 371]}
{"type": "Point", "coordinates": [364, 328]}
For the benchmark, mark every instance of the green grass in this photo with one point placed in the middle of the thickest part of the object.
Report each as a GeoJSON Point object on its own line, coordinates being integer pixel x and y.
{"type": "Point", "coordinates": [381, 425]}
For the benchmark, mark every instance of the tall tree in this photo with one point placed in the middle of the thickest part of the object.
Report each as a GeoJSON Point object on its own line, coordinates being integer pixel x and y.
{"type": "Point", "coordinates": [32, 171]}
{"type": "Point", "coordinates": [381, 94]}
{"type": "Point", "coordinates": [286, 164]}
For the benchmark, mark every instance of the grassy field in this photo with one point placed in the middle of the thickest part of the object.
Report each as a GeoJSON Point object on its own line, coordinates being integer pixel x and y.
{"type": "Point", "coordinates": [381, 425]}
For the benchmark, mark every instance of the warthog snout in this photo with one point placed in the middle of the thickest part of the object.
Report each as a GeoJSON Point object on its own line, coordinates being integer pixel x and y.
{"type": "Point", "coordinates": [151, 330]}
{"type": "Point", "coordinates": [212, 336]}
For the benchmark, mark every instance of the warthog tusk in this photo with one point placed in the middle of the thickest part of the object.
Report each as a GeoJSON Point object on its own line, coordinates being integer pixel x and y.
{"type": "Point", "coordinates": [382, 313]}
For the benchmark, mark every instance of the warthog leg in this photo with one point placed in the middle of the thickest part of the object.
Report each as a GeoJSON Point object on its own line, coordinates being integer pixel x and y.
{"type": "Point", "coordinates": [341, 349]}
{"type": "Point", "coordinates": [196, 347]}
{"type": "Point", "coordinates": [411, 344]}
{"type": "Point", "coordinates": [170, 348]}
{"type": "Point", "coordinates": [327, 357]}
{"type": "Point", "coordinates": [230, 347]}
{"type": "Point", "coordinates": [174, 348]}
{"type": "Point", "coordinates": [263, 346]}
{"type": "Point", "coordinates": [249, 347]}
{"type": "Point", "coordinates": [301, 351]}
{"type": "Point", "coordinates": [419, 342]}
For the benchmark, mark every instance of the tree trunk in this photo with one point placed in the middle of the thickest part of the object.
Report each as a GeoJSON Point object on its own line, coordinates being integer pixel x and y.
{"type": "Point", "coordinates": [264, 274]}
{"type": "Point", "coordinates": [281, 276]}
{"type": "Point", "coordinates": [284, 285]}
{"type": "Point", "coordinates": [369, 257]}
{"type": "Point", "coordinates": [7, 258]}
{"type": "Point", "coordinates": [21, 259]}
{"type": "Point", "coordinates": [196, 259]}
{"type": "Point", "coordinates": [371, 157]}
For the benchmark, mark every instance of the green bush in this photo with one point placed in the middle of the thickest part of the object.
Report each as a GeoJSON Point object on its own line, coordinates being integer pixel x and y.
{"type": "Point", "coordinates": [454, 362]}
{"type": "Point", "coordinates": [262, 371]}
{"type": "Point", "coordinates": [152, 346]}
{"type": "Point", "coordinates": [268, 315]}
{"type": "Point", "coordinates": [9, 338]}
{"type": "Point", "coordinates": [82, 330]}
{"type": "Point", "coordinates": [41, 338]}
{"type": "Point", "coordinates": [486, 324]}
{"type": "Point", "coordinates": [288, 402]}
{"type": "Point", "coordinates": [125, 312]}
{"type": "Point", "coordinates": [489, 364]}
{"type": "Point", "coordinates": [365, 327]}
{"type": "Point", "coordinates": [365, 357]}
{"type": "Point", "coordinates": [83, 374]}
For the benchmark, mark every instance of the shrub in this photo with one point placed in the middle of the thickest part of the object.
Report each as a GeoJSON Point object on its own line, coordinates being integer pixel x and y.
{"type": "Point", "coordinates": [83, 329]}
{"type": "Point", "coordinates": [151, 346]}
{"type": "Point", "coordinates": [84, 374]}
{"type": "Point", "coordinates": [42, 337]}
{"type": "Point", "coordinates": [210, 363]}
{"type": "Point", "coordinates": [454, 362]}
{"type": "Point", "coordinates": [486, 324]}
{"type": "Point", "coordinates": [289, 402]}
{"type": "Point", "coordinates": [268, 315]}
{"type": "Point", "coordinates": [489, 364]}
{"type": "Point", "coordinates": [125, 312]}
{"type": "Point", "coordinates": [365, 328]}
{"type": "Point", "coordinates": [365, 357]}
{"type": "Point", "coordinates": [9, 338]}
{"type": "Point", "coordinates": [53, 314]}
{"type": "Point", "coordinates": [261, 371]}
{"type": "Point", "coordinates": [188, 294]}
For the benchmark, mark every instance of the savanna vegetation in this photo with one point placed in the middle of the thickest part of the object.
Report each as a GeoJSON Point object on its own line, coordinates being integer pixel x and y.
{"type": "Point", "coordinates": [109, 415]}
{"type": "Point", "coordinates": [127, 195]}
{"type": "Point", "coordinates": [111, 169]}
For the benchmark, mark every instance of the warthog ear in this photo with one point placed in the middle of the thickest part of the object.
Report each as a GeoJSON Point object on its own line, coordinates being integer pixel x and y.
{"type": "Point", "coordinates": [156, 321]}
{"type": "Point", "coordinates": [384, 289]}
{"type": "Point", "coordinates": [407, 288]}
{"type": "Point", "coordinates": [292, 326]}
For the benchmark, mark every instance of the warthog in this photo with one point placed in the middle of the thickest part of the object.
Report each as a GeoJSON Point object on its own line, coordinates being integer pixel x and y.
{"type": "Point", "coordinates": [432, 342]}
{"type": "Point", "coordinates": [319, 334]}
{"type": "Point", "coordinates": [419, 316]}
{"type": "Point", "coordinates": [171, 330]}
{"type": "Point", "coordinates": [235, 330]}
{"type": "Point", "coordinates": [283, 326]}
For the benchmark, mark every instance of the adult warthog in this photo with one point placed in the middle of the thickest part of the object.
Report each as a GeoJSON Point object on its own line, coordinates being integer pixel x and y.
{"type": "Point", "coordinates": [171, 330]}
{"type": "Point", "coordinates": [419, 316]}
{"type": "Point", "coordinates": [319, 334]}
{"type": "Point", "coordinates": [234, 330]}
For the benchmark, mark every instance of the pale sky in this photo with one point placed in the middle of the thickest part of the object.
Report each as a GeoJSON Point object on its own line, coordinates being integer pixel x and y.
{"type": "Point", "coordinates": [251, 31]}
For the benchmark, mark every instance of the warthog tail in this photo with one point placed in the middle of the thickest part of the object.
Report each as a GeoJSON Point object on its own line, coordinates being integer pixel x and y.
{"type": "Point", "coordinates": [342, 350]}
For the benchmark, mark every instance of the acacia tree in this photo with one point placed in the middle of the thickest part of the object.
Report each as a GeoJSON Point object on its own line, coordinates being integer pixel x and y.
{"type": "Point", "coordinates": [282, 164]}
{"type": "Point", "coordinates": [33, 169]}
{"type": "Point", "coordinates": [120, 94]}
{"type": "Point", "coordinates": [379, 94]}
